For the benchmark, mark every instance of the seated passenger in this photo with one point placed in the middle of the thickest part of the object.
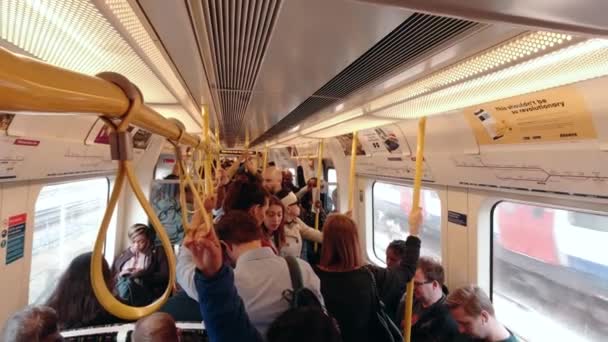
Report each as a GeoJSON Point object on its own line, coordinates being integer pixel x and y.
{"type": "Point", "coordinates": [272, 179]}
{"type": "Point", "coordinates": [273, 227]}
{"type": "Point", "coordinates": [73, 298]}
{"type": "Point", "coordinates": [431, 319]}
{"type": "Point", "coordinates": [295, 229]}
{"type": "Point", "coordinates": [158, 327]}
{"type": "Point", "coordinates": [394, 253]}
{"type": "Point", "coordinates": [474, 313]}
{"type": "Point", "coordinates": [261, 277]}
{"type": "Point", "coordinates": [141, 272]}
{"type": "Point", "coordinates": [346, 281]}
{"type": "Point", "coordinates": [32, 324]}
{"type": "Point", "coordinates": [224, 311]}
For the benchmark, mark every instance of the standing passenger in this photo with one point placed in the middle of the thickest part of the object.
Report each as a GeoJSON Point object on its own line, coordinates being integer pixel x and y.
{"type": "Point", "coordinates": [295, 229]}
{"type": "Point", "coordinates": [346, 281]}
{"type": "Point", "coordinates": [273, 227]}
{"type": "Point", "coordinates": [272, 179]}
{"type": "Point", "coordinates": [474, 313]}
{"type": "Point", "coordinates": [73, 298]}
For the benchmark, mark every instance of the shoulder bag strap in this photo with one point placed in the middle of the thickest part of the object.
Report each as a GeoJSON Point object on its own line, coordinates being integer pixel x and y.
{"type": "Point", "coordinates": [294, 272]}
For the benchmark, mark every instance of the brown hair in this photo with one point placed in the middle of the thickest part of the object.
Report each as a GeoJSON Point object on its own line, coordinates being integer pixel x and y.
{"type": "Point", "coordinates": [432, 269]}
{"type": "Point", "coordinates": [279, 234]}
{"type": "Point", "coordinates": [238, 227]}
{"type": "Point", "coordinates": [30, 324]}
{"type": "Point", "coordinates": [472, 299]}
{"type": "Point", "coordinates": [140, 228]}
{"type": "Point", "coordinates": [341, 249]}
{"type": "Point", "coordinates": [158, 327]}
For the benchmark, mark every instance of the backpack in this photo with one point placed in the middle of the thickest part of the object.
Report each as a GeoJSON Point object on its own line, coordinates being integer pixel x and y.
{"type": "Point", "coordinates": [383, 327]}
{"type": "Point", "coordinates": [299, 296]}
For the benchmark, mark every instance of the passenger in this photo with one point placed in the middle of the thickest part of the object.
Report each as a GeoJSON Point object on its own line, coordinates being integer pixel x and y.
{"type": "Point", "coordinates": [261, 277]}
{"type": "Point", "coordinates": [273, 179]}
{"type": "Point", "coordinates": [308, 215]}
{"type": "Point", "coordinates": [295, 229]}
{"type": "Point", "coordinates": [158, 327]}
{"type": "Point", "coordinates": [287, 183]}
{"type": "Point", "coordinates": [32, 324]}
{"type": "Point", "coordinates": [141, 272]}
{"type": "Point", "coordinates": [474, 313]}
{"type": "Point", "coordinates": [274, 222]}
{"type": "Point", "coordinates": [347, 283]}
{"type": "Point", "coordinates": [73, 298]}
{"type": "Point", "coordinates": [394, 253]}
{"type": "Point", "coordinates": [431, 319]}
{"type": "Point", "coordinates": [224, 311]}
{"type": "Point", "coordinates": [246, 194]}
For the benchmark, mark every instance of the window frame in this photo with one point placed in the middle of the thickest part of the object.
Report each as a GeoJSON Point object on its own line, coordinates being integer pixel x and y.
{"type": "Point", "coordinates": [406, 185]}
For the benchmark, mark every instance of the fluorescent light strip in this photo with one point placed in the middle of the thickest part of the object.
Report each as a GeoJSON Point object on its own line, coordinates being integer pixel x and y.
{"type": "Point", "coordinates": [580, 62]}
{"type": "Point", "coordinates": [334, 121]}
{"type": "Point", "coordinates": [517, 50]}
{"type": "Point", "coordinates": [350, 126]}
{"type": "Point", "coordinates": [74, 35]}
{"type": "Point", "coordinates": [124, 13]}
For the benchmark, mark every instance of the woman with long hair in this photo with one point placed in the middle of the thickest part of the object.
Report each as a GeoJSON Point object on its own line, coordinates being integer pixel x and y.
{"type": "Point", "coordinates": [73, 298]}
{"type": "Point", "coordinates": [347, 281]}
{"type": "Point", "coordinates": [273, 227]}
{"type": "Point", "coordinates": [141, 272]}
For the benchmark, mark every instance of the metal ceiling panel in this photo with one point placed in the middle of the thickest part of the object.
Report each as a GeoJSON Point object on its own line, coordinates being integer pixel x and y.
{"type": "Point", "coordinates": [581, 17]}
{"type": "Point", "coordinates": [312, 42]}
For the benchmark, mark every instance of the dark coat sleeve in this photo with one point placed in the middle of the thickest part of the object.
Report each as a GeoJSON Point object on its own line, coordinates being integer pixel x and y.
{"type": "Point", "coordinates": [222, 309]}
{"type": "Point", "coordinates": [392, 282]}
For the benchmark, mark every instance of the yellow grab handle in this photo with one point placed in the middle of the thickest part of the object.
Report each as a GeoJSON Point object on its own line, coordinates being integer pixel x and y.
{"type": "Point", "coordinates": [103, 294]}
{"type": "Point", "coordinates": [319, 176]}
{"type": "Point", "coordinates": [351, 176]}
{"type": "Point", "coordinates": [407, 333]}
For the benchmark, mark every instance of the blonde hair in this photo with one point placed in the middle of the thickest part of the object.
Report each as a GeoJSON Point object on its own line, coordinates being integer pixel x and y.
{"type": "Point", "coordinates": [472, 299]}
{"type": "Point", "coordinates": [341, 248]}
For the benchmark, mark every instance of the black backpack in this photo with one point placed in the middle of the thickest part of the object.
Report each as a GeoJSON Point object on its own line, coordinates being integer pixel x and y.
{"type": "Point", "coordinates": [299, 296]}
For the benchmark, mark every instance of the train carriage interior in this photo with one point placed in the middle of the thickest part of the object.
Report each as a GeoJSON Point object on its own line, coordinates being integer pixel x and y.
{"type": "Point", "coordinates": [498, 108]}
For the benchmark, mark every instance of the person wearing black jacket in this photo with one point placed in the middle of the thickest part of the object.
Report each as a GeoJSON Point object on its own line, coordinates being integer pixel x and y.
{"type": "Point", "coordinates": [346, 281]}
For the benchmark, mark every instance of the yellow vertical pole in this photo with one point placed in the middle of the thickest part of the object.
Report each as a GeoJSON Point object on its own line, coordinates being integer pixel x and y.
{"type": "Point", "coordinates": [351, 179]}
{"type": "Point", "coordinates": [319, 176]}
{"type": "Point", "coordinates": [265, 158]}
{"type": "Point", "coordinates": [407, 333]}
{"type": "Point", "coordinates": [207, 165]}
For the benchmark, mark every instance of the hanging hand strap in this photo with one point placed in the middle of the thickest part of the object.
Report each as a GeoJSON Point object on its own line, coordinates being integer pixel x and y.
{"type": "Point", "coordinates": [121, 150]}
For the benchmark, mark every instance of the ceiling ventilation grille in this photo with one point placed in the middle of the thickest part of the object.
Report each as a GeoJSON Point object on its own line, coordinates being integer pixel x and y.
{"type": "Point", "coordinates": [238, 33]}
{"type": "Point", "coordinates": [416, 36]}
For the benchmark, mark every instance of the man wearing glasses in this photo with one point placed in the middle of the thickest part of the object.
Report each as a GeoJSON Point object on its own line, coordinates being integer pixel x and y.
{"type": "Point", "coordinates": [431, 319]}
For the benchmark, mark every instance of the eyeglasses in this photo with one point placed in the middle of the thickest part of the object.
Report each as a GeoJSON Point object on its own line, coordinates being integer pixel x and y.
{"type": "Point", "coordinates": [417, 283]}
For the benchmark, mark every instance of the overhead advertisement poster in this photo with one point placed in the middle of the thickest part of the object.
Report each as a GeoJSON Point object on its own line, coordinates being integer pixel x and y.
{"type": "Point", "coordinates": [383, 140]}
{"type": "Point", "coordinates": [550, 115]}
{"type": "Point", "coordinates": [346, 141]}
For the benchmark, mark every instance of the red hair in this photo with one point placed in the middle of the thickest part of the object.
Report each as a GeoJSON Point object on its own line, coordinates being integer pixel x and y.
{"type": "Point", "coordinates": [341, 248]}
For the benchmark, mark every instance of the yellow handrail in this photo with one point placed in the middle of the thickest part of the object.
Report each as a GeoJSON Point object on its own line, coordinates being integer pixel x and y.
{"type": "Point", "coordinates": [265, 159]}
{"type": "Point", "coordinates": [407, 330]}
{"type": "Point", "coordinates": [351, 176]}
{"type": "Point", "coordinates": [121, 149]}
{"type": "Point", "coordinates": [35, 86]}
{"type": "Point", "coordinates": [319, 176]}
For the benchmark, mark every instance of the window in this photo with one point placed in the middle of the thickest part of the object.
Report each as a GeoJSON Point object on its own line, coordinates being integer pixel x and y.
{"type": "Point", "coordinates": [66, 223]}
{"type": "Point", "coordinates": [332, 185]}
{"type": "Point", "coordinates": [391, 207]}
{"type": "Point", "coordinates": [164, 166]}
{"type": "Point", "coordinates": [550, 272]}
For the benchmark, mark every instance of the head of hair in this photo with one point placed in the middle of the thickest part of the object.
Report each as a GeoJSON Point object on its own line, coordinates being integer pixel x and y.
{"type": "Point", "coordinates": [242, 195]}
{"type": "Point", "coordinates": [140, 228]}
{"type": "Point", "coordinates": [158, 327]}
{"type": "Point", "coordinates": [73, 297]}
{"type": "Point", "coordinates": [238, 227]}
{"type": "Point", "coordinates": [432, 269]}
{"type": "Point", "coordinates": [472, 299]}
{"type": "Point", "coordinates": [32, 324]}
{"type": "Point", "coordinates": [341, 248]}
{"type": "Point", "coordinates": [302, 325]}
{"type": "Point", "coordinates": [279, 233]}
{"type": "Point", "coordinates": [397, 246]}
